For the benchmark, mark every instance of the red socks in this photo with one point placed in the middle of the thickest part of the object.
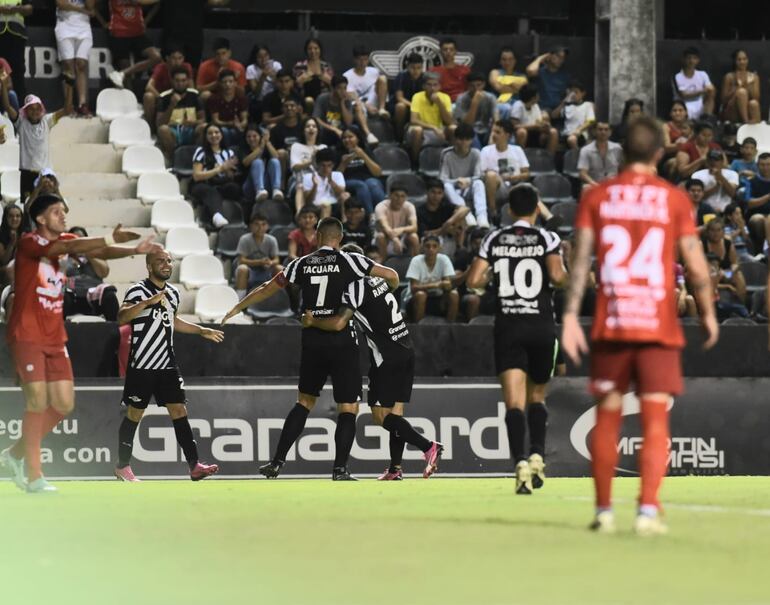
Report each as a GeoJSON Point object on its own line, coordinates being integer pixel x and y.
{"type": "Point", "coordinates": [653, 457]}
{"type": "Point", "coordinates": [36, 425]}
{"type": "Point", "coordinates": [604, 453]}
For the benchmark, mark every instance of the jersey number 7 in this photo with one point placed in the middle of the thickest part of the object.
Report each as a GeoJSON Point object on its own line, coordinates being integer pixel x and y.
{"type": "Point", "coordinates": [322, 281]}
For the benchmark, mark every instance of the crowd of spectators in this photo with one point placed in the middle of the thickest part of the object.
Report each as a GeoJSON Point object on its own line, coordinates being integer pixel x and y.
{"type": "Point", "coordinates": [330, 140]}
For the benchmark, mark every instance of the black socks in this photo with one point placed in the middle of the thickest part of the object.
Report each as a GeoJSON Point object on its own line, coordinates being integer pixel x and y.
{"type": "Point", "coordinates": [537, 419]}
{"type": "Point", "coordinates": [397, 445]}
{"type": "Point", "coordinates": [344, 437]}
{"type": "Point", "coordinates": [292, 429]}
{"type": "Point", "coordinates": [516, 425]}
{"type": "Point", "coordinates": [400, 427]}
{"type": "Point", "coordinates": [126, 441]}
{"type": "Point", "coordinates": [184, 437]}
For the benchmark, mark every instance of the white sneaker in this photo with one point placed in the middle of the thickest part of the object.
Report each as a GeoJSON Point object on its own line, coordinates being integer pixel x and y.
{"type": "Point", "coordinates": [537, 466]}
{"type": "Point", "coordinates": [15, 466]}
{"type": "Point", "coordinates": [277, 194]}
{"type": "Point", "coordinates": [646, 526]}
{"type": "Point", "coordinates": [261, 196]}
{"type": "Point", "coordinates": [371, 139]}
{"type": "Point", "coordinates": [604, 523]}
{"type": "Point", "coordinates": [41, 486]}
{"type": "Point", "coordinates": [117, 77]}
{"type": "Point", "coordinates": [219, 220]}
{"type": "Point", "coordinates": [523, 478]}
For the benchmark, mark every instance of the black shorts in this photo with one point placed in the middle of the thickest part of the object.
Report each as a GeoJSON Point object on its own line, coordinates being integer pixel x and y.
{"type": "Point", "coordinates": [391, 382]}
{"type": "Point", "coordinates": [341, 363]}
{"type": "Point", "coordinates": [527, 346]}
{"type": "Point", "coordinates": [166, 386]}
{"type": "Point", "coordinates": [123, 48]}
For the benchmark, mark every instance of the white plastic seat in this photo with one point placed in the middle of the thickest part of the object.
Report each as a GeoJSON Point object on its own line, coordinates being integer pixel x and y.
{"type": "Point", "coordinates": [157, 186]}
{"type": "Point", "coordinates": [168, 214]}
{"type": "Point", "coordinates": [10, 185]}
{"type": "Point", "coordinates": [125, 132]}
{"type": "Point", "coordinates": [198, 270]}
{"type": "Point", "coordinates": [213, 302]}
{"type": "Point", "coordinates": [113, 103]}
{"type": "Point", "coordinates": [181, 241]}
{"type": "Point", "coordinates": [760, 132]}
{"type": "Point", "coordinates": [9, 156]}
{"type": "Point", "coordinates": [143, 159]}
{"type": "Point", "coordinates": [86, 319]}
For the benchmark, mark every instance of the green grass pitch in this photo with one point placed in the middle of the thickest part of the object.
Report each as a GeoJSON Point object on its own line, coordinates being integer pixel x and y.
{"type": "Point", "coordinates": [443, 541]}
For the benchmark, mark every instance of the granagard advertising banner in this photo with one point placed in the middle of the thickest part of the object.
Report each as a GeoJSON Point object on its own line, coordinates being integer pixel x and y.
{"type": "Point", "coordinates": [719, 426]}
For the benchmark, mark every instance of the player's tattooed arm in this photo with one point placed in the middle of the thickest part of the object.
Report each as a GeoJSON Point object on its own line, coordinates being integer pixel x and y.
{"type": "Point", "coordinates": [581, 267]}
{"type": "Point", "coordinates": [335, 323]}
{"type": "Point", "coordinates": [691, 250]}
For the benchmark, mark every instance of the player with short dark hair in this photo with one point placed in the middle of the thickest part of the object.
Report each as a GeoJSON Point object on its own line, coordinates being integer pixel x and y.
{"type": "Point", "coordinates": [391, 363]}
{"type": "Point", "coordinates": [637, 224]}
{"type": "Point", "coordinates": [150, 306]}
{"type": "Point", "coordinates": [524, 260]}
{"type": "Point", "coordinates": [323, 277]}
{"type": "Point", "coordinates": [36, 334]}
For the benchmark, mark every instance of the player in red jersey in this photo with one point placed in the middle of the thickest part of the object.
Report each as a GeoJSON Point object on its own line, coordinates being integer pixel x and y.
{"type": "Point", "coordinates": [636, 224]}
{"type": "Point", "coordinates": [36, 334]}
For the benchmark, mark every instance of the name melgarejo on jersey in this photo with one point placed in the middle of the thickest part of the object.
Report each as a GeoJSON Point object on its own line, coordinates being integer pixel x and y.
{"type": "Point", "coordinates": [518, 251]}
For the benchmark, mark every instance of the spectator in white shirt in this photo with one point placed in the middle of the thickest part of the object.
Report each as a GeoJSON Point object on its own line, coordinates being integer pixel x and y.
{"type": "Point", "coordinates": [430, 276]}
{"type": "Point", "coordinates": [719, 183]}
{"type": "Point", "coordinates": [323, 189]}
{"type": "Point", "coordinates": [501, 163]}
{"type": "Point", "coordinates": [368, 83]}
{"type": "Point", "coordinates": [578, 115]}
{"type": "Point", "coordinates": [694, 86]}
{"type": "Point", "coordinates": [533, 126]}
{"type": "Point", "coordinates": [261, 73]}
{"type": "Point", "coordinates": [74, 41]}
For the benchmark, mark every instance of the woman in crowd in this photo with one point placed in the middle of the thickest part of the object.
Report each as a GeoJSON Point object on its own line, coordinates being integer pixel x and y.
{"type": "Point", "coordinates": [261, 161]}
{"type": "Point", "coordinates": [632, 108]}
{"type": "Point", "coordinates": [506, 82]}
{"type": "Point", "coordinates": [302, 155]}
{"type": "Point", "coordinates": [10, 233]}
{"type": "Point", "coordinates": [740, 92]}
{"type": "Point", "coordinates": [261, 72]}
{"type": "Point", "coordinates": [361, 172]}
{"type": "Point", "coordinates": [214, 175]}
{"type": "Point", "coordinates": [313, 74]}
{"type": "Point", "coordinates": [715, 243]}
{"type": "Point", "coordinates": [676, 129]}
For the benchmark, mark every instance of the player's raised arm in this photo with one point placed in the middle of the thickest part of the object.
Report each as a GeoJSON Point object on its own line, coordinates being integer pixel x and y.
{"type": "Point", "coordinates": [89, 245]}
{"type": "Point", "coordinates": [573, 339]}
{"type": "Point", "coordinates": [335, 323]}
{"type": "Point", "coordinates": [691, 250]}
{"type": "Point", "coordinates": [386, 273]}
{"type": "Point", "coordinates": [258, 294]}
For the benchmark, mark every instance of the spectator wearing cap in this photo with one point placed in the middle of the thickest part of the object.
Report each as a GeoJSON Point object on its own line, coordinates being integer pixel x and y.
{"type": "Point", "coordinates": [207, 81]}
{"type": "Point", "coordinates": [408, 83]}
{"type": "Point", "coordinates": [477, 108]}
{"type": "Point", "coordinates": [430, 277]}
{"type": "Point", "coordinates": [368, 84]}
{"type": "Point", "coordinates": [691, 156]}
{"type": "Point", "coordinates": [161, 80]}
{"type": "Point", "coordinates": [506, 82]}
{"type": "Point", "coordinates": [33, 126]}
{"type": "Point", "coordinates": [181, 119]}
{"type": "Point", "coordinates": [440, 217]}
{"type": "Point", "coordinates": [129, 40]}
{"type": "Point", "coordinates": [601, 158]}
{"type": "Point", "coordinates": [396, 226]}
{"type": "Point", "coordinates": [719, 182]}
{"type": "Point", "coordinates": [13, 39]}
{"type": "Point", "coordinates": [313, 74]}
{"type": "Point", "coordinates": [694, 86]}
{"type": "Point", "coordinates": [360, 170]}
{"type": "Point", "coordinates": [453, 77]}
{"type": "Point", "coordinates": [229, 109]}
{"type": "Point", "coordinates": [533, 126]}
{"type": "Point", "coordinates": [324, 188]}
{"type": "Point", "coordinates": [460, 172]}
{"type": "Point", "coordinates": [355, 228]}
{"type": "Point", "coordinates": [430, 121]}
{"type": "Point", "coordinates": [257, 256]}
{"type": "Point", "coordinates": [552, 78]}
{"type": "Point", "coordinates": [578, 114]}
{"type": "Point", "coordinates": [273, 103]}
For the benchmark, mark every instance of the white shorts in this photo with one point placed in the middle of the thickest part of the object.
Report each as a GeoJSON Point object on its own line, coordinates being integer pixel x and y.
{"type": "Point", "coordinates": [74, 46]}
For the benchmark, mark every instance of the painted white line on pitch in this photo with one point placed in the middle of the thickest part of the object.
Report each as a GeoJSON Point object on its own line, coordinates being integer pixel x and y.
{"type": "Point", "coordinates": [268, 387]}
{"type": "Point", "coordinates": [695, 508]}
{"type": "Point", "coordinates": [306, 476]}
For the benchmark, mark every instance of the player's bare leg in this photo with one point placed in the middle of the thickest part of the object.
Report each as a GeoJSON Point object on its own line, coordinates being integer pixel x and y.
{"type": "Point", "coordinates": [292, 429]}
{"type": "Point", "coordinates": [184, 436]}
{"type": "Point", "coordinates": [604, 457]}
{"type": "Point", "coordinates": [392, 419]}
{"type": "Point", "coordinates": [344, 437]}
{"type": "Point", "coordinates": [514, 385]}
{"type": "Point", "coordinates": [537, 422]}
{"type": "Point", "coordinates": [128, 427]}
{"type": "Point", "coordinates": [653, 461]}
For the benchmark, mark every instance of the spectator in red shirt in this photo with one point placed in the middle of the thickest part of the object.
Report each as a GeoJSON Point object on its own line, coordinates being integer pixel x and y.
{"type": "Point", "coordinates": [161, 80]}
{"type": "Point", "coordinates": [208, 73]}
{"type": "Point", "coordinates": [691, 156]}
{"type": "Point", "coordinates": [453, 76]}
{"type": "Point", "coordinates": [302, 241]}
{"type": "Point", "coordinates": [229, 109]}
{"type": "Point", "coordinates": [128, 36]}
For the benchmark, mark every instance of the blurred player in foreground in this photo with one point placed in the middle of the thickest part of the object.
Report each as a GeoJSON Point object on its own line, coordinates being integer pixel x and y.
{"type": "Point", "coordinates": [636, 224]}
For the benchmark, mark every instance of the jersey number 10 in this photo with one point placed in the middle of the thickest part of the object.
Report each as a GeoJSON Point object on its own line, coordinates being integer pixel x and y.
{"type": "Point", "coordinates": [526, 270]}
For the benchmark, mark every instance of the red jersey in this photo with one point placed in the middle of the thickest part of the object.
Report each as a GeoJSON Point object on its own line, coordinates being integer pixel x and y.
{"type": "Point", "coordinates": [38, 305]}
{"type": "Point", "coordinates": [161, 76]}
{"type": "Point", "coordinates": [453, 79]}
{"type": "Point", "coordinates": [126, 19]}
{"type": "Point", "coordinates": [637, 220]}
{"type": "Point", "coordinates": [692, 151]}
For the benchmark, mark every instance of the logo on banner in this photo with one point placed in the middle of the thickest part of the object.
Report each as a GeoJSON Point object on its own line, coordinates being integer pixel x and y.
{"type": "Point", "coordinates": [696, 455]}
{"type": "Point", "coordinates": [391, 62]}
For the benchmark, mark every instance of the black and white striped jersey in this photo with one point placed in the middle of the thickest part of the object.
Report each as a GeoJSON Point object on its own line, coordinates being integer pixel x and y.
{"type": "Point", "coordinates": [517, 256]}
{"type": "Point", "coordinates": [376, 310]}
{"type": "Point", "coordinates": [152, 331]}
{"type": "Point", "coordinates": [323, 277]}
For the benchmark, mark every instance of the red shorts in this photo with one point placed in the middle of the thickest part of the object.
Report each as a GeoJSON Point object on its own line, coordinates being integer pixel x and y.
{"type": "Point", "coordinates": [41, 363]}
{"type": "Point", "coordinates": [652, 368]}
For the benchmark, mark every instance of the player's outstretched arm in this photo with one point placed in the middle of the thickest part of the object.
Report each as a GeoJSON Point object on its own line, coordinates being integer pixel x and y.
{"type": "Point", "coordinates": [258, 294]}
{"type": "Point", "coordinates": [478, 275]}
{"type": "Point", "coordinates": [386, 273]}
{"type": "Point", "coordinates": [336, 323]}
{"type": "Point", "coordinates": [573, 340]}
{"type": "Point", "coordinates": [128, 312]}
{"type": "Point", "coordinates": [185, 327]}
{"type": "Point", "coordinates": [697, 269]}
{"type": "Point", "coordinates": [145, 246]}
{"type": "Point", "coordinates": [87, 245]}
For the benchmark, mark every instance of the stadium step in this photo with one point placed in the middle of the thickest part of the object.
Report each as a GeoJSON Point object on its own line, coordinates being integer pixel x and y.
{"type": "Point", "coordinates": [89, 186]}
{"type": "Point", "coordinates": [107, 213]}
{"type": "Point", "coordinates": [85, 157]}
{"type": "Point", "coordinates": [79, 130]}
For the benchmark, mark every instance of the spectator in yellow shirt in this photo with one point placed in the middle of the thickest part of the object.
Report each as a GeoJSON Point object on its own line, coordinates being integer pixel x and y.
{"type": "Point", "coordinates": [430, 122]}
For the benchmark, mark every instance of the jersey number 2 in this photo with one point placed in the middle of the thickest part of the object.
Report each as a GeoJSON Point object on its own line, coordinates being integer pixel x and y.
{"type": "Point", "coordinates": [395, 314]}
